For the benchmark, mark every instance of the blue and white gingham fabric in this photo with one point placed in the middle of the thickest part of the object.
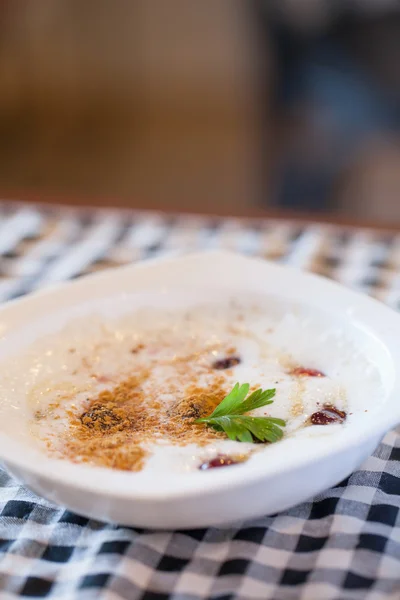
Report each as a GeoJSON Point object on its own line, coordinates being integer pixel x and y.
{"type": "Point", "coordinates": [344, 545]}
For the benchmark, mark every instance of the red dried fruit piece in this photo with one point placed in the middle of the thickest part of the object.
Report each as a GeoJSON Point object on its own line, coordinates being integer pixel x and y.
{"type": "Point", "coordinates": [304, 372]}
{"type": "Point", "coordinates": [226, 363]}
{"type": "Point", "coordinates": [219, 461]}
{"type": "Point", "coordinates": [328, 414]}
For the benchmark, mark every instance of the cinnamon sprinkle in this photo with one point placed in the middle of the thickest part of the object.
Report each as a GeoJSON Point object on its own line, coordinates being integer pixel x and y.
{"type": "Point", "coordinates": [118, 424]}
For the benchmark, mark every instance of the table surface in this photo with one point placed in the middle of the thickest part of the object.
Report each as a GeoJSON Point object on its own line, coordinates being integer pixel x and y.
{"type": "Point", "coordinates": [195, 208]}
{"type": "Point", "coordinates": [342, 545]}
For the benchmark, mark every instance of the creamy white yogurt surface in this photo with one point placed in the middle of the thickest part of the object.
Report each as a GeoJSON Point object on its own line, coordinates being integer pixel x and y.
{"type": "Point", "coordinates": [60, 370]}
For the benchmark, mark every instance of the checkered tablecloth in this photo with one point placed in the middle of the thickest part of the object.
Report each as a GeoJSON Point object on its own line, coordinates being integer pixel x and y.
{"type": "Point", "coordinates": [343, 545]}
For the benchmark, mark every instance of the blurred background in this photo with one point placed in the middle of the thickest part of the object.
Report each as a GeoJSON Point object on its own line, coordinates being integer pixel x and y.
{"type": "Point", "coordinates": [219, 105]}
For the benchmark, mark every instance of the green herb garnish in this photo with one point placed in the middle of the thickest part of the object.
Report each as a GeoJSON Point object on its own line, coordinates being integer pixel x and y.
{"type": "Point", "coordinates": [229, 416]}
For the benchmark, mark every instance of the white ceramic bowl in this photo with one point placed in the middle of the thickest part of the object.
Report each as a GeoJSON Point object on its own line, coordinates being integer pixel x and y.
{"type": "Point", "coordinates": [293, 471]}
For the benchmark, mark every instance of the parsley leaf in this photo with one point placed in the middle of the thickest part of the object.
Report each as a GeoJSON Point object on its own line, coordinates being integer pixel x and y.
{"type": "Point", "coordinates": [229, 416]}
{"type": "Point", "coordinates": [232, 401]}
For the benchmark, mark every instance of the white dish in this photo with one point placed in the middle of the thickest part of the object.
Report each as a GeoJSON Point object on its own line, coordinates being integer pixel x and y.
{"type": "Point", "coordinates": [274, 479]}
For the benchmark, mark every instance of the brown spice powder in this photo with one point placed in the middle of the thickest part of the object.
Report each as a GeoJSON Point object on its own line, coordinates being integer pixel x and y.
{"type": "Point", "coordinates": [118, 423]}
